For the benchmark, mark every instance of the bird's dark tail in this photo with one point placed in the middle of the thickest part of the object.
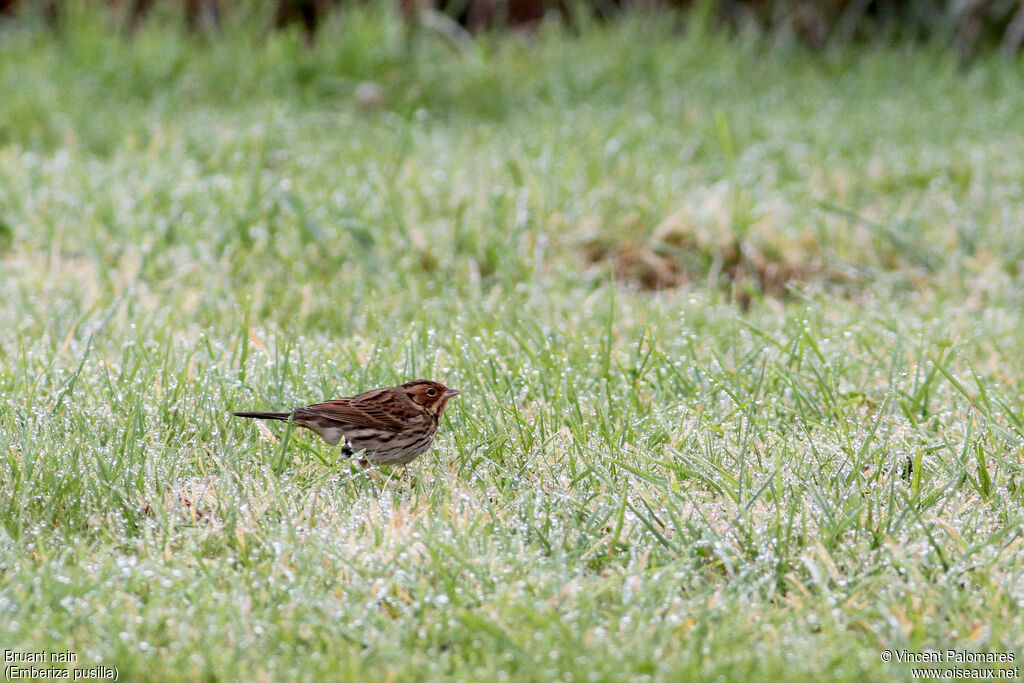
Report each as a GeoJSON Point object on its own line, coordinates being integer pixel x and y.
{"type": "Point", "coordinates": [265, 416]}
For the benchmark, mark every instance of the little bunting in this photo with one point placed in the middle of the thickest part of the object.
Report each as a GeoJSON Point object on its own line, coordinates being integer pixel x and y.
{"type": "Point", "coordinates": [389, 426]}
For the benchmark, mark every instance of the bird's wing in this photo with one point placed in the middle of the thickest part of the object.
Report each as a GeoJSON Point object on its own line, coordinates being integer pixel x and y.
{"type": "Point", "coordinates": [363, 413]}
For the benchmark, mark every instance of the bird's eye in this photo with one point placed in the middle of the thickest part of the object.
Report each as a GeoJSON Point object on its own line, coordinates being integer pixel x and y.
{"type": "Point", "coordinates": [431, 392]}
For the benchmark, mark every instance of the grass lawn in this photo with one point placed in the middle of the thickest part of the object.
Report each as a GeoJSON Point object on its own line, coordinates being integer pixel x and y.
{"type": "Point", "coordinates": [709, 302]}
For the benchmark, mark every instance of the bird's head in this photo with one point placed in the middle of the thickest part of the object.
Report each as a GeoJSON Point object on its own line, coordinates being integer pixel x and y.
{"type": "Point", "coordinates": [433, 396]}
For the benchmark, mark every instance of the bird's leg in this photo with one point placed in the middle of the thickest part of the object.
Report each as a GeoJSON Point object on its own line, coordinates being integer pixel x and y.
{"type": "Point", "coordinates": [349, 452]}
{"type": "Point", "coordinates": [405, 479]}
{"type": "Point", "coordinates": [373, 475]}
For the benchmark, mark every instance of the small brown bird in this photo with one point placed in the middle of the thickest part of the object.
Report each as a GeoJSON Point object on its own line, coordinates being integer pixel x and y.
{"type": "Point", "coordinates": [389, 426]}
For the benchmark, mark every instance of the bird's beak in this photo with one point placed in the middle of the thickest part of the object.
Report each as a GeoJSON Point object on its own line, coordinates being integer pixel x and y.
{"type": "Point", "coordinates": [450, 392]}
